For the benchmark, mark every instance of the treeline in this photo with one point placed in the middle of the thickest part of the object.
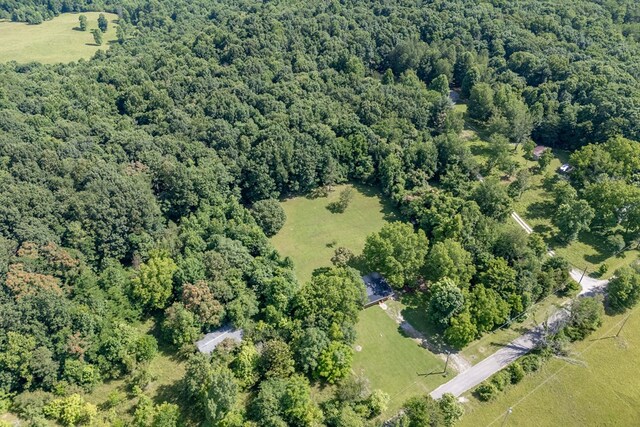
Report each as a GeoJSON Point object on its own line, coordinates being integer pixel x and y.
{"type": "Point", "coordinates": [140, 185]}
{"type": "Point", "coordinates": [37, 11]}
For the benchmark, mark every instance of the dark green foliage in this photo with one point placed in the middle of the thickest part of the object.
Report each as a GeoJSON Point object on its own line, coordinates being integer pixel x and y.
{"type": "Point", "coordinates": [97, 36]}
{"type": "Point", "coordinates": [331, 298]}
{"type": "Point", "coordinates": [284, 401]}
{"type": "Point", "coordinates": [125, 180]}
{"type": "Point", "coordinates": [421, 411]}
{"type": "Point", "coordinates": [397, 252]}
{"type": "Point", "coordinates": [102, 23]}
{"type": "Point", "coordinates": [516, 372]}
{"type": "Point", "coordinates": [501, 380]}
{"type": "Point", "coordinates": [276, 360]}
{"type": "Point", "coordinates": [269, 215]}
{"type": "Point", "coordinates": [446, 300]}
{"type": "Point", "coordinates": [451, 410]}
{"type": "Point", "coordinates": [83, 22]}
{"type": "Point", "coordinates": [493, 199]}
{"type": "Point", "coordinates": [586, 316]}
{"type": "Point", "coordinates": [531, 362]}
{"type": "Point", "coordinates": [623, 291]}
{"type": "Point", "coordinates": [486, 391]}
{"type": "Point", "coordinates": [343, 201]}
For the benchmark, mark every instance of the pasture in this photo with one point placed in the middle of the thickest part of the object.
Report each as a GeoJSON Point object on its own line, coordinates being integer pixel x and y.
{"type": "Point", "coordinates": [596, 385]}
{"type": "Point", "coordinates": [54, 41]}
{"type": "Point", "coordinates": [392, 362]}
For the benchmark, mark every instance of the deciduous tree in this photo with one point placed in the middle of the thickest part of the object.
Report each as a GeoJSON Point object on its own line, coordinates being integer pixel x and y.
{"type": "Point", "coordinates": [397, 252]}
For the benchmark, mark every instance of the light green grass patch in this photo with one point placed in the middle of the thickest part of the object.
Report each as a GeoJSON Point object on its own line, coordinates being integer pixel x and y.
{"type": "Point", "coordinates": [598, 386]}
{"type": "Point", "coordinates": [167, 369]}
{"type": "Point", "coordinates": [312, 233]}
{"type": "Point", "coordinates": [57, 40]}
{"type": "Point", "coordinates": [460, 108]}
{"type": "Point", "coordinates": [396, 364]}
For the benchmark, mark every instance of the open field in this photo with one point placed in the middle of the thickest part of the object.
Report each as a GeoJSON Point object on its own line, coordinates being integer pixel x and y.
{"type": "Point", "coordinates": [310, 237]}
{"type": "Point", "coordinates": [392, 362]}
{"type": "Point", "coordinates": [599, 387]}
{"type": "Point", "coordinates": [312, 233]}
{"type": "Point", "coordinates": [57, 40]}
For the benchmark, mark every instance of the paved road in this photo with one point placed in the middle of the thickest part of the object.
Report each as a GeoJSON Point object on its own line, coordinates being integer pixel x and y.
{"type": "Point", "coordinates": [520, 346]}
{"type": "Point", "coordinates": [498, 360]}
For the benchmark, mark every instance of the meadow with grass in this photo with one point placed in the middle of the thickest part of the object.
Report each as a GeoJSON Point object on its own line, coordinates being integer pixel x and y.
{"type": "Point", "coordinates": [54, 41]}
{"type": "Point", "coordinates": [393, 362]}
{"type": "Point", "coordinates": [597, 384]}
{"type": "Point", "coordinates": [312, 231]}
{"type": "Point", "coordinates": [390, 360]}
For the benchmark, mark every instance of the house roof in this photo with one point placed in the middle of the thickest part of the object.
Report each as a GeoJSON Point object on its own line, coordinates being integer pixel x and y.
{"type": "Point", "coordinates": [377, 287]}
{"type": "Point", "coordinates": [539, 149]}
{"type": "Point", "coordinates": [211, 340]}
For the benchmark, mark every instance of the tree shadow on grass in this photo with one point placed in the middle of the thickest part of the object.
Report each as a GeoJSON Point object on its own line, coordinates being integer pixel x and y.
{"type": "Point", "coordinates": [415, 316]}
{"type": "Point", "coordinates": [542, 229]}
{"type": "Point", "coordinates": [481, 151]}
{"type": "Point", "coordinates": [165, 347]}
{"type": "Point", "coordinates": [596, 242]}
{"type": "Point", "coordinates": [174, 393]}
{"type": "Point", "coordinates": [540, 210]}
{"type": "Point", "coordinates": [388, 211]}
{"type": "Point", "coordinates": [359, 263]}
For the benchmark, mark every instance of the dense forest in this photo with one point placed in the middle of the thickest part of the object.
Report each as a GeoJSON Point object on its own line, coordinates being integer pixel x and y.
{"type": "Point", "coordinates": [140, 185]}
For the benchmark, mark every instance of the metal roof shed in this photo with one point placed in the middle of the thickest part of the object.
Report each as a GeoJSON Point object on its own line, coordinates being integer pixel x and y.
{"type": "Point", "coordinates": [210, 341]}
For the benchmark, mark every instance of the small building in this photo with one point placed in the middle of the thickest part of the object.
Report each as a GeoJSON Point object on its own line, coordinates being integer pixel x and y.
{"type": "Point", "coordinates": [210, 341]}
{"type": "Point", "coordinates": [378, 290]}
{"type": "Point", "coordinates": [537, 152]}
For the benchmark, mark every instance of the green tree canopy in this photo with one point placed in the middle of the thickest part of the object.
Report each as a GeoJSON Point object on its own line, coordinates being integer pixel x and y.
{"type": "Point", "coordinates": [269, 215]}
{"type": "Point", "coordinates": [397, 252]}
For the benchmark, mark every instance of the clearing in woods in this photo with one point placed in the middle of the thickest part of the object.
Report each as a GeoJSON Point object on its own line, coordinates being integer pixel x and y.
{"type": "Point", "coordinates": [393, 362]}
{"type": "Point", "coordinates": [54, 41]}
{"type": "Point", "coordinates": [312, 233]}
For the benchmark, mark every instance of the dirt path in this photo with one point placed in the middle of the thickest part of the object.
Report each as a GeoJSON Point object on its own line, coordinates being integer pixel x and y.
{"type": "Point", "coordinates": [456, 360]}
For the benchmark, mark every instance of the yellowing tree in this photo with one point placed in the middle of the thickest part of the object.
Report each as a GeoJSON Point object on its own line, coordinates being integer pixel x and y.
{"type": "Point", "coordinates": [152, 287]}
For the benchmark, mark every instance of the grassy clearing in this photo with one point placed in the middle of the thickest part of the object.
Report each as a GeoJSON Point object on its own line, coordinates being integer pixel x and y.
{"type": "Point", "coordinates": [392, 362]}
{"type": "Point", "coordinates": [53, 41]}
{"type": "Point", "coordinates": [599, 388]}
{"type": "Point", "coordinates": [312, 233]}
{"type": "Point", "coordinates": [166, 369]}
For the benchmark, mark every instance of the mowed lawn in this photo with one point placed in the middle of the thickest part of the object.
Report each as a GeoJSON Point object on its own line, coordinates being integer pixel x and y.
{"type": "Point", "coordinates": [312, 233]}
{"type": "Point", "coordinates": [57, 40]}
{"type": "Point", "coordinates": [396, 364]}
{"type": "Point", "coordinates": [601, 386]}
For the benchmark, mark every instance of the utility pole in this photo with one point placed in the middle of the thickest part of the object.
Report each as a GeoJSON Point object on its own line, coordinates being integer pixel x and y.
{"type": "Point", "coordinates": [506, 416]}
{"type": "Point", "coordinates": [446, 364]}
{"type": "Point", "coordinates": [583, 273]}
{"type": "Point", "coordinates": [623, 323]}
